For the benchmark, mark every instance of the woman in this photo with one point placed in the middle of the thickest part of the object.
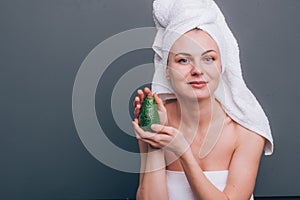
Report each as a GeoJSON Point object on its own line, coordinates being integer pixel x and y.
{"type": "Point", "coordinates": [198, 151]}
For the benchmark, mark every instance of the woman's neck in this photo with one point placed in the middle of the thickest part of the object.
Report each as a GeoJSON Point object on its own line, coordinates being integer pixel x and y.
{"type": "Point", "coordinates": [198, 115]}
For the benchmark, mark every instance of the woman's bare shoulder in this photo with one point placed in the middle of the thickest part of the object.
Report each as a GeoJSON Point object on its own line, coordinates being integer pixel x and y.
{"type": "Point", "coordinates": [246, 136]}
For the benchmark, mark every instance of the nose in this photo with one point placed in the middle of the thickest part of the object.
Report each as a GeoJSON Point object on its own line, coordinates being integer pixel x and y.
{"type": "Point", "coordinates": [196, 70]}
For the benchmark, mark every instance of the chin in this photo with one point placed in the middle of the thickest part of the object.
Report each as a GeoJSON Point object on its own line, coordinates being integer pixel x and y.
{"type": "Point", "coordinates": [195, 95]}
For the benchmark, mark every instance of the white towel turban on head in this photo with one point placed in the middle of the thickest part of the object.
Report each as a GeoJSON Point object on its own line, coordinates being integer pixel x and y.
{"type": "Point", "coordinates": [173, 18]}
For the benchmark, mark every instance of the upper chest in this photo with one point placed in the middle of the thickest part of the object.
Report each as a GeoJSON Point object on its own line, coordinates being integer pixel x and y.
{"type": "Point", "coordinates": [218, 155]}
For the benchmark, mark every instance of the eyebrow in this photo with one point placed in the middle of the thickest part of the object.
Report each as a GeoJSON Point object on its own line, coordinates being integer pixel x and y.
{"type": "Point", "coordinates": [187, 54]}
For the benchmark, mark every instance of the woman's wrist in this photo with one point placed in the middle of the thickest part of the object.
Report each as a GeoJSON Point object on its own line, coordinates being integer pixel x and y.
{"type": "Point", "coordinates": [155, 159]}
{"type": "Point", "coordinates": [183, 149]}
{"type": "Point", "coordinates": [186, 155]}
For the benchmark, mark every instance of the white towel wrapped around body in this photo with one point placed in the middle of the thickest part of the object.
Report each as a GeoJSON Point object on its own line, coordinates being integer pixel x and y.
{"type": "Point", "coordinates": [173, 18]}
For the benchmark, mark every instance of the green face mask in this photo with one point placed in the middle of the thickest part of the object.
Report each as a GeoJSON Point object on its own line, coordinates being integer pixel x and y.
{"type": "Point", "coordinates": [148, 114]}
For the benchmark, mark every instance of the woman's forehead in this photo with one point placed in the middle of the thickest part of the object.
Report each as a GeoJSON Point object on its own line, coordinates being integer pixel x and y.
{"type": "Point", "coordinates": [195, 41]}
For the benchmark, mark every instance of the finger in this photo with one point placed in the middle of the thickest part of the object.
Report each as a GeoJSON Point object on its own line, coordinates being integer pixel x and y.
{"type": "Point", "coordinates": [148, 92]}
{"type": "Point", "coordinates": [159, 102]}
{"type": "Point", "coordinates": [157, 99]}
{"type": "Point", "coordinates": [163, 129]}
{"type": "Point", "coordinates": [137, 136]}
{"type": "Point", "coordinates": [136, 101]}
{"type": "Point", "coordinates": [148, 141]}
{"type": "Point", "coordinates": [143, 134]}
{"type": "Point", "coordinates": [136, 127]}
{"type": "Point", "coordinates": [136, 121]}
{"type": "Point", "coordinates": [135, 124]}
{"type": "Point", "coordinates": [156, 141]}
{"type": "Point", "coordinates": [137, 110]}
{"type": "Point", "coordinates": [141, 95]}
{"type": "Point", "coordinates": [160, 140]}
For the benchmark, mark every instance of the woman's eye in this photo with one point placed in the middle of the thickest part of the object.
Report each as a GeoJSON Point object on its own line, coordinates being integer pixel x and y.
{"type": "Point", "coordinates": [183, 60]}
{"type": "Point", "coordinates": [208, 59]}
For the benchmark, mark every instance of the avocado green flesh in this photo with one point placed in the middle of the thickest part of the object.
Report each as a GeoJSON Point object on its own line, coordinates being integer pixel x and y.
{"type": "Point", "coordinates": [148, 114]}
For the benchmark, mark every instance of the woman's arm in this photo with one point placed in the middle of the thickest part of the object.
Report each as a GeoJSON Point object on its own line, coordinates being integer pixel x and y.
{"type": "Point", "coordinates": [244, 165]}
{"type": "Point", "coordinates": [153, 182]}
{"type": "Point", "coordinates": [143, 154]}
{"type": "Point", "coordinates": [242, 171]}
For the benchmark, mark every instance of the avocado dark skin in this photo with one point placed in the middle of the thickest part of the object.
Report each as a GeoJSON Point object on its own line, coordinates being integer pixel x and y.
{"type": "Point", "coordinates": [148, 114]}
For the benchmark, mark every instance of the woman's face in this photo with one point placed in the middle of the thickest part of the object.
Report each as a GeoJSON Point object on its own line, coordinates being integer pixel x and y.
{"type": "Point", "coordinates": [193, 59]}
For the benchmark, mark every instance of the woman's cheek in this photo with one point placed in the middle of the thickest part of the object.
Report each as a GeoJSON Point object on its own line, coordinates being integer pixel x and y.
{"type": "Point", "coordinates": [177, 74]}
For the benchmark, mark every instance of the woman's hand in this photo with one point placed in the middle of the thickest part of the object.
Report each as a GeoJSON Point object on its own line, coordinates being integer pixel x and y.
{"type": "Point", "coordinates": [162, 113]}
{"type": "Point", "coordinates": [138, 101]}
{"type": "Point", "coordinates": [164, 137]}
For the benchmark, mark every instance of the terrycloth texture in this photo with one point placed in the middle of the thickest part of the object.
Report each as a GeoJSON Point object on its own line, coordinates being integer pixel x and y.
{"type": "Point", "coordinates": [179, 187]}
{"type": "Point", "coordinates": [173, 18]}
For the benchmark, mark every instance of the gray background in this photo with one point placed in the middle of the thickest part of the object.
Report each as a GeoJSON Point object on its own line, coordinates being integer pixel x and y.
{"type": "Point", "coordinates": [42, 45]}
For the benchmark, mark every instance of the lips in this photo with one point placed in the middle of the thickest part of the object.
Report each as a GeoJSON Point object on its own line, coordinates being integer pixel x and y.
{"type": "Point", "coordinates": [197, 84]}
